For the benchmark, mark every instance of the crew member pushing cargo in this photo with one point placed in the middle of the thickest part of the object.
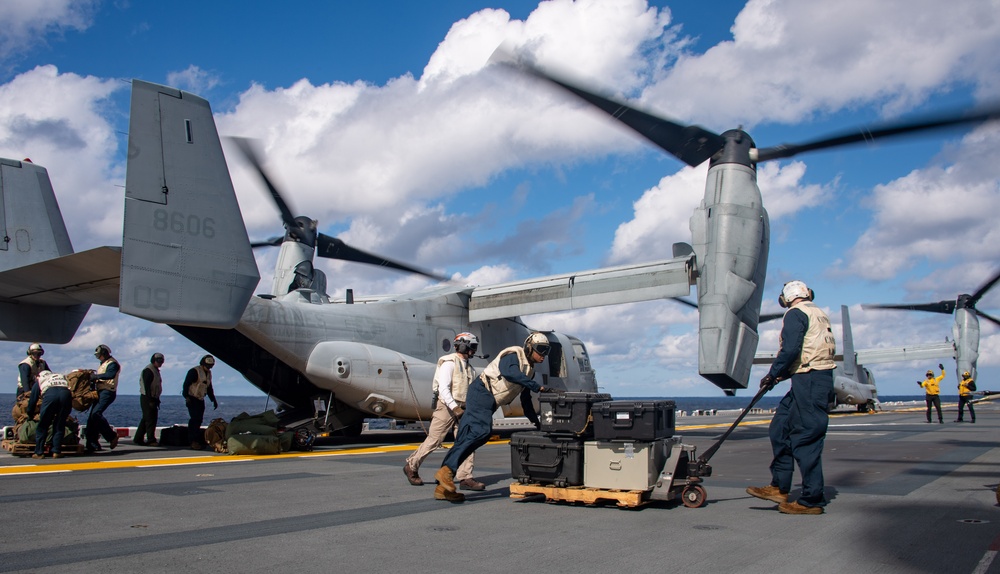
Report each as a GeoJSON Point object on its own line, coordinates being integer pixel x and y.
{"type": "Point", "coordinates": [451, 382]}
{"type": "Point", "coordinates": [57, 404]}
{"type": "Point", "coordinates": [105, 381]}
{"type": "Point", "coordinates": [798, 429]}
{"type": "Point", "coordinates": [500, 383]}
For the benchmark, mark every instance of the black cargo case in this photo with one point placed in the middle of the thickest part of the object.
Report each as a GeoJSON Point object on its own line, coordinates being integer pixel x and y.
{"type": "Point", "coordinates": [634, 420]}
{"type": "Point", "coordinates": [568, 413]}
{"type": "Point", "coordinates": [545, 458]}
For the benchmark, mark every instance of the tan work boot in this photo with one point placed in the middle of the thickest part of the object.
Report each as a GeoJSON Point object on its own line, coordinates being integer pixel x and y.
{"type": "Point", "coordinates": [445, 478]}
{"type": "Point", "coordinates": [441, 494]}
{"type": "Point", "coordinates": [796, 508]}
{"type": "Point", "coordinates": [768, 493]}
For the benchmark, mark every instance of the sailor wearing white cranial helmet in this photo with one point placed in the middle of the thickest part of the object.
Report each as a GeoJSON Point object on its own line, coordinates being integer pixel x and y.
{"type": "Point", "coordinates": [798, 427]}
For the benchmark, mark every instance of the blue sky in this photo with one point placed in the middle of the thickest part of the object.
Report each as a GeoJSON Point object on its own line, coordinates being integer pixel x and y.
{"type": "Point", "coordinates": [382, 122]}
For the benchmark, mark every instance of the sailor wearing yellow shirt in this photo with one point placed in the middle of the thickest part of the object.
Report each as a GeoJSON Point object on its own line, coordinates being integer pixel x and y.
{"type": "Point", "coordinates": [965, 389]}
{"type": "Point", "coordinates": [932, 388]}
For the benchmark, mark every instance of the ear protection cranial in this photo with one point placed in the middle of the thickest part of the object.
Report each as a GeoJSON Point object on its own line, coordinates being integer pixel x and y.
{"type": "Point", "coordinates": [794, 290]}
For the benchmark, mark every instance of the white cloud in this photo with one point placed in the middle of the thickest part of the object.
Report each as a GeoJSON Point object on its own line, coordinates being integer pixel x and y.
{"type": "Point", "coordinates": [193, 79]}
{"type": "Point", "coordinates": [27, 23]}
{"type": "Point", "coordinates": [935, 213]}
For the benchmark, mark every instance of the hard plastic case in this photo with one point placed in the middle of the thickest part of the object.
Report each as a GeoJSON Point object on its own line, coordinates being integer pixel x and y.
{"type": "Point", "coordinates": [545, 458]}
{"type": "Point", "coordinates": [634, 420]}
{"type": "Point", "coordinates": [568, 413]}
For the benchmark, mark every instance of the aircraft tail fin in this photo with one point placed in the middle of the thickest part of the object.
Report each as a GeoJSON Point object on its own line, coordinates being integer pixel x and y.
{"type": "Point", "coordinates": [32, 231]}
{"type": "Point", "coordinates": [186, 256]}
{"type": "Point", "coordinates": [850, 359]}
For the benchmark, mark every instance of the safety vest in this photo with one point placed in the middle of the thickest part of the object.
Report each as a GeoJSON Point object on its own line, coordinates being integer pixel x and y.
{"type": "Point", "coordinates": [461, 376]}
{"type": "Point", "coordinates": [963, 387]}
{"type": "Point", "coordinates": [199, 388]}
{"type": "Point", "coordinates": [36, 367]}
{"type": "Point", "coordinates": [818, 346]}
{"type": "Point", "coordinates": [108, 384]}
{"type": "Point", "coordinates": [932, 385]}
{"type": "Point", "coordinates": [156, 386]}
{"type": "Point", "coordinates": [50, 380]}
{"type": "Point", "coordinates": [503, 390]}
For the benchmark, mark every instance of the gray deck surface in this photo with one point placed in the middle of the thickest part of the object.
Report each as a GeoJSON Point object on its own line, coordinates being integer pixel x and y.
{"type": "Point", "coordinates": [905, 496]}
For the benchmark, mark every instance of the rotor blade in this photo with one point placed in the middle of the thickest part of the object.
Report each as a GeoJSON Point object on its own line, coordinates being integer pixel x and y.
{"type": "Point", "coordinates": [986, 287]}
{"type": "Point", "coordinates": [685, 302]}
{"type": "Point", "coordinates": [272, 242]}
{"type": "Point", "coordinates": [333, 248]}
{"type": "Point", "coordinates": [946, 307]}
{"type": "Point", "coordinates": [690, 144]}
{"type": "Point", "coordinates": [245, 145]}
{"type": "Point", "coordinates": [990, 318]}
{"type": "Point", "coordinates": [887, 130]}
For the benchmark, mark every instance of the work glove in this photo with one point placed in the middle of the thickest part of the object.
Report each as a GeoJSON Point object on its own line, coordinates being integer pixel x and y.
{"type": "Point", "coordinates": [156, 403]}
{"type": "Point", "coordinates": [920, 384]}
{"type": "Point", "coordinates": [215, 405]}
{"type": "Point", "coordinates": [768, 382]}
{"type": "Point", "coordinates": [940, 366]}
{"type": "Point", "coordinates": [457, 412]}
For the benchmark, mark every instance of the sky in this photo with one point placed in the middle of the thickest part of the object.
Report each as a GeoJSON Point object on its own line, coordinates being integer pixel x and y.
{"type": "Point", "coordinates": [384, 121]}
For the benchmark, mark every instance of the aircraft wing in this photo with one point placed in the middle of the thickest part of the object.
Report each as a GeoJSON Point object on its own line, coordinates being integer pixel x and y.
{"type": "Point", "coordinates": [887, 355]}
{"type": "Point", "coordinates": [908, 353]}
{"type": "Point", "coordinates": [607, 286]}
{"type": "Point", "coordinates": [87, 277]}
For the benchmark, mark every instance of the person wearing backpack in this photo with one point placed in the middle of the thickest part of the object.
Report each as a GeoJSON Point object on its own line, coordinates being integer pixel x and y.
{"type": "Point", "coordinates": [965, 389]}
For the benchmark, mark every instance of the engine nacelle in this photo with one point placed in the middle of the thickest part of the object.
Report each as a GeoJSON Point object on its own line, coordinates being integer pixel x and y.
{"type": "Point", "coordinates": [731, 234]}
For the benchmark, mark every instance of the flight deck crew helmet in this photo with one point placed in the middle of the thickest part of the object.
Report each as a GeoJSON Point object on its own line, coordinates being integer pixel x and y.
{"type": "Point", "coordinates": [930, 373]}
{"type": "Point", "coordinates": [794, 290]}
{"type": "Point", "coordinates": [466, 343]}
{"type": "Point", "coordinates": [537, 342]}
{"type": "Point", "coordinates": [102, 351]}
{"type": "Point", "coordinates": [156, 357]}
{"type": "Point", "coordinates": [207, 360]}
{"type": "Point", "coordinates": [36, 348]}
{"type": "Point", "coordinates": [966, 375]}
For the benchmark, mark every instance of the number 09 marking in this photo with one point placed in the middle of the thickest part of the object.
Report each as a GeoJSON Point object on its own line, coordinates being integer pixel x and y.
{"type": "Point", "coordinates": [151, 298]}
{"type": "Point", "coordinates": [177, 222]}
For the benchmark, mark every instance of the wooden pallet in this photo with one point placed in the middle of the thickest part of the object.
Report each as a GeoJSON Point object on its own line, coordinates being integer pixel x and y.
{"type": "Point", "coordinates": [588, 496]}
{"type": "Point", "coordinates": [22, 449]}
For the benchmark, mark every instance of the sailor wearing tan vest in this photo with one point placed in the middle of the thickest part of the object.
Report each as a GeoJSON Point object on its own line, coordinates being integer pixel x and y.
{"type": "Point", "coordinates": [197, 385]}
{"type": "Point", "coordinates": [451, 381]}
{"type": "Point", "coordinates": [57, 404]}
{"type": "Point", "coordinates": [500, 383]}
{"type": "Point", "coordinates": [798, 428]}
{"type": "Point", "coordinates": [105, 380]}
{"type": "Point", "coordinates": [150, 388]}
{"type": "Point", "coordinates": [28, 369]}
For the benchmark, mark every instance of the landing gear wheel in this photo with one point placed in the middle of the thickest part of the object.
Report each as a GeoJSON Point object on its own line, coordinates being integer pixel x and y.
{"type": "Point", "coordinates": [693, 496]}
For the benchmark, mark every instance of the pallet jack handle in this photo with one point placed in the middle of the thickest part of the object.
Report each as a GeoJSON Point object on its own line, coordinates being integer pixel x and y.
{"type": "Point", "coordinates": [701, 467]}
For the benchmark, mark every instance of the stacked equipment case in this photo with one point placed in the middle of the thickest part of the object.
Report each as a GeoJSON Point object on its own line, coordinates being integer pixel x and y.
{"type": "Point", "coordinates": [586, 439]}
{"type": "Point", "coordinates": [554, 454]}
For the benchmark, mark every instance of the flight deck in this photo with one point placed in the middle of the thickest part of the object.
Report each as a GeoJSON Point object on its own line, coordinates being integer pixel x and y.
{"type": "Point", "coordinates": [905, 496]}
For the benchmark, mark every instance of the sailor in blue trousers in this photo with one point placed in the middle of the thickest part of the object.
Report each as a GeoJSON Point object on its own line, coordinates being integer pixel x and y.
{"type": "Point", "coordinates": [57, 404]}
{"type": "Point", "coordinates": [501, 382]}
{"type": "Point", "coordinates": [798, 428]}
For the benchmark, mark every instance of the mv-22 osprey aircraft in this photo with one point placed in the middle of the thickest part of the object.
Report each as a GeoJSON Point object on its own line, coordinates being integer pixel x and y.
{"type": "Point", "coordinates": [186, 261]}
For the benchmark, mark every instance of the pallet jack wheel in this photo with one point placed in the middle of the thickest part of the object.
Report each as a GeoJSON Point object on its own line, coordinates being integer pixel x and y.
{"type": "Point", "coordinates": [693, 496]}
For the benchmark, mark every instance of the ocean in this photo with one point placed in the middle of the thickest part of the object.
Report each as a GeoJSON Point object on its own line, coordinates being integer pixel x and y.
{"type": "Point", "coordinates": [124, 412]}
